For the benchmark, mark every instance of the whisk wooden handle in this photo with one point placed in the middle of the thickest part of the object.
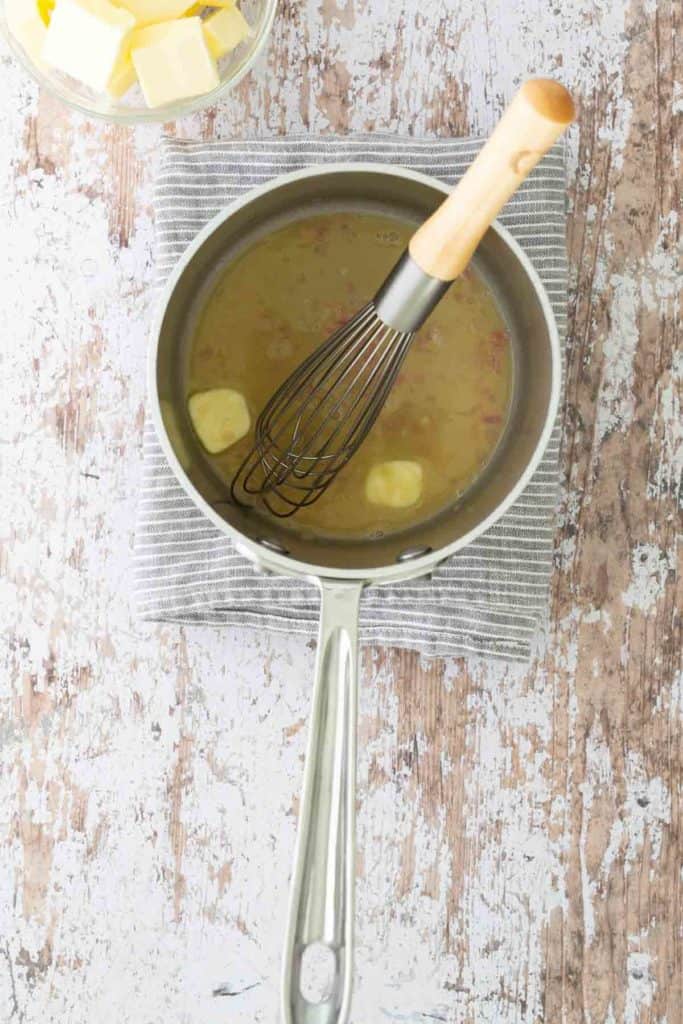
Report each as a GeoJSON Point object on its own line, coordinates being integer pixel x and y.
{"type": "Point", "coordinates": [537, 116]}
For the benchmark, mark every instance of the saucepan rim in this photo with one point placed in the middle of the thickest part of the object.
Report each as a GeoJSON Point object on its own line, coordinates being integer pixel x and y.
{"type": "Point", "coordinates": [286, 564]}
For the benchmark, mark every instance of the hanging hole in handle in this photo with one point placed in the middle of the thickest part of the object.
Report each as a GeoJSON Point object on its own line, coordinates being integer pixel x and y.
{"type": "Point", "coordinates": [318, 973]}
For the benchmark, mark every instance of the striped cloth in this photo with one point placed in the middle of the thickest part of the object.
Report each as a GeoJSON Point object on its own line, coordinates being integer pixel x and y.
{"type": "Point", "coordinates": [487, 599]}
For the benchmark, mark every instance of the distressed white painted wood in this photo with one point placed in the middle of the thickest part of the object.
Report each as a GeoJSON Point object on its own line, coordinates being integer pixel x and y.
{"type": "Point", "coordinates": [520, 848]}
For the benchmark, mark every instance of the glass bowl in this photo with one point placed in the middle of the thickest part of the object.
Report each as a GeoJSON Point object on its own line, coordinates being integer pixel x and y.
{"type": "Point", "coordinates": [131, 108]}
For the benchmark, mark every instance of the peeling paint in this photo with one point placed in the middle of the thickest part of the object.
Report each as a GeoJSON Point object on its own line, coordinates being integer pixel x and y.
{"type": "Point", "coordinates": [650, 567]}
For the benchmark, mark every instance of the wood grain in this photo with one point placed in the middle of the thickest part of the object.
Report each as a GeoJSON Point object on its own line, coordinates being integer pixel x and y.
{"type": "Point", "coordinates": [520, 827]}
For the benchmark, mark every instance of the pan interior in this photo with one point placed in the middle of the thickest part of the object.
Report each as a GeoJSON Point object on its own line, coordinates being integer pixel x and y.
{"type": "Point", "coordinates": [409, 201]}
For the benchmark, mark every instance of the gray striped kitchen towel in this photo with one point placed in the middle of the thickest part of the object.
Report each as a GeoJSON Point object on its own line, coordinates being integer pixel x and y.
{"type": "Point", "coordinates": [490, 597]}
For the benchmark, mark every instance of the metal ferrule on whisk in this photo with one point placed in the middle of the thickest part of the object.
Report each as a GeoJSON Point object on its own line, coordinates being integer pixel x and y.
{"type": "Point", "coordinates": [408, 295]}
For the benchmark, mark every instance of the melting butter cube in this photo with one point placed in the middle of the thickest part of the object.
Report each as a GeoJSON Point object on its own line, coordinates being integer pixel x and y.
{"type": "Point", "coordinates": [225, 30]}
{"type": "Point", "coordinates": [148, 12]}
{"type": "Point", "coordinates": [177, 64]}
{"type": "Point", "coordinates": [86, 39]}
{"type": "Point", "coordinates": [220, 417]}
{"type": "Point", "coordinates": [25, 22]}
{"type": "Point", "coordinates": [396, 484]}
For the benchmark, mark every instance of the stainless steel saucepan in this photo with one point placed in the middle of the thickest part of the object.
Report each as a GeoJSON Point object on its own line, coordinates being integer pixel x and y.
{"type": "Point", "coordinates": [321, 910]}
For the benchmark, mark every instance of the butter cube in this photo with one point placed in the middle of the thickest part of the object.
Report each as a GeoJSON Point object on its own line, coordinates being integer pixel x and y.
{"type": "Point", "coordinates": [220, 418]}
{"type": "Point", "coordinates": [86, 39]}
{"type": "Point", "coordinates": [149, 12]}
{"type": "Point", "coordinates": [26, 25]}
{"type": "Point", "coordinates": [396, 484]}
{"type": "Point", "coordinates": [122, 78]}
{"type": "Point", "coordinates": [149, 36]}
{"type": "Point", "coordinates": [176, 65]}
{"type": "Point", "coordinates": [225, 30]}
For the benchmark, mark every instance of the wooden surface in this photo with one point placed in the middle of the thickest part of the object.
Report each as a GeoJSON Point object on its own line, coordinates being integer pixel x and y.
{"type": "Point", "coordinates": [520, 828]}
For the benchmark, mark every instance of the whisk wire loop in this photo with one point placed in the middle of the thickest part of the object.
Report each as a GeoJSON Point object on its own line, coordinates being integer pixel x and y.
{"type": "Point", "coordinates": [319, 416]}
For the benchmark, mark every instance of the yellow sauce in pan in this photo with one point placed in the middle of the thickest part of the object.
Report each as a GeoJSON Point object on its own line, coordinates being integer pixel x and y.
{"type": "Point", "coordinates": [279, 299]}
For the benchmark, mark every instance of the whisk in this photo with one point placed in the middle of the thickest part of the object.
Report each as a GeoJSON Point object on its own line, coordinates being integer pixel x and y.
{"type": "Point", "coordinates": [317, 419]}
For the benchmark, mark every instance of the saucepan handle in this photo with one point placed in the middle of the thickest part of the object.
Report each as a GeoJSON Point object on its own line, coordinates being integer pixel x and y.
{"type": "Point", "coordinates": [318, 958]}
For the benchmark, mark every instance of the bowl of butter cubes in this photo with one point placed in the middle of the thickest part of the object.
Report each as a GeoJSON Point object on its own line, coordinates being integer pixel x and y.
{"type": "Point", "coordinates": [137, 60]}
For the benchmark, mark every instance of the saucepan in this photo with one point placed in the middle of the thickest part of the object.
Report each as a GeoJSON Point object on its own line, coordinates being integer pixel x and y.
{"type": "Point", "coordinates": [321, 908]}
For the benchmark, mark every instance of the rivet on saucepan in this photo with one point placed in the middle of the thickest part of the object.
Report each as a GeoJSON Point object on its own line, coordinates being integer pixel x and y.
{"type": "Point", "coordinates": [272, 545]}
{"type": "Point", "coordinates": [410, 553]}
